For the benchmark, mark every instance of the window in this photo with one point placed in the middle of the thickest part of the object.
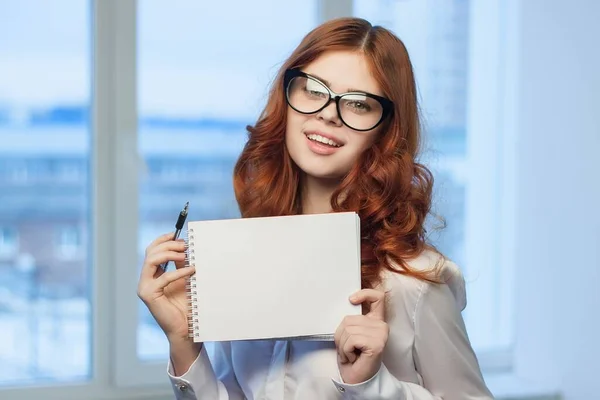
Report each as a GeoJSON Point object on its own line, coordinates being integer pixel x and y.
{"type": "Point", "coordinates": [191, 129]}
{"type": "Point", "coordinates": [101, 144]}
{"type": "Point", "coordinates": [19, 174]}
{"type": "Point", "coordinates": [70, 171]}
{"type": "Point", "coordinates": [45, 315]}
{"type": "Point", "coordinates": [8, 241]}
{"type": "Point", "coordinates": [462, 149]}
{"type": "Point", "coordinates": [69, 243]}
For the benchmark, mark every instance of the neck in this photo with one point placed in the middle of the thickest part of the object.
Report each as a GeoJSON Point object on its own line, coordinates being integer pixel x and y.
{"type": "Point", "coordinates": [316, 195]}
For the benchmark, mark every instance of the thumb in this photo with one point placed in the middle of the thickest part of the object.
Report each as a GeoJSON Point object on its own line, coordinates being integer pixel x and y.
{"type": "Point", "coordinates": [374, 300]}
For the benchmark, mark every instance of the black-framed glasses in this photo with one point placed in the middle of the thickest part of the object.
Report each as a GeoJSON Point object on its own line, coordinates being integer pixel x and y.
{"type": "Point", "coordinates": [360, 111]}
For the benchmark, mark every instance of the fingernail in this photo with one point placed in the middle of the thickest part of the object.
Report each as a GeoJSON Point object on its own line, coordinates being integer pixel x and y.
{"type": "Point", "coordinates": [353, 297]}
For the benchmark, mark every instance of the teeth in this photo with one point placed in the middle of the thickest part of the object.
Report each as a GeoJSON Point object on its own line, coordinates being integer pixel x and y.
{"type": "Point", "coordinates": [321, 139]}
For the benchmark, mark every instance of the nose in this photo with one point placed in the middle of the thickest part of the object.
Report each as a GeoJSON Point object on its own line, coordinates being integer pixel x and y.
{"type": "Point", "coordinates": [330, 115]}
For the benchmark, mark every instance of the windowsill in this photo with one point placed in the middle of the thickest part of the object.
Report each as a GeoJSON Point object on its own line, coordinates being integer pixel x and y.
{"type": "Point", "coordinates": [507, 386]}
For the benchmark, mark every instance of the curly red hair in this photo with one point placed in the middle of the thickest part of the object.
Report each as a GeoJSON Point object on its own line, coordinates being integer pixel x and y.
{"type": "Point", "coordinates": [387, 187]}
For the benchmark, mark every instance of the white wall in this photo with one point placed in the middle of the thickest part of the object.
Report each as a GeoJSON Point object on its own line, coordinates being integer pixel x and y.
{"type": "Point", "coordinates": [558, 195]}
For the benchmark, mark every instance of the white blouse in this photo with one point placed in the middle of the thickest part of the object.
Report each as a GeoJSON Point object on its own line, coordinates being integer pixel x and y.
{"type": "Point", "coordinates": [428, 355]}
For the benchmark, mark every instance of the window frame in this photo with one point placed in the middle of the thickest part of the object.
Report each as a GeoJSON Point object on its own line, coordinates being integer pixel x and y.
{"type": "Point", "coordinates": [113, 217]}
{"type": "Point", "coordinates": [491, 131]}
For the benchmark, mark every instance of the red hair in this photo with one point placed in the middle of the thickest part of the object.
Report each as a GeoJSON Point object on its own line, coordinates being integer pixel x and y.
{"type": "Point", "coordinates": [387, 187]}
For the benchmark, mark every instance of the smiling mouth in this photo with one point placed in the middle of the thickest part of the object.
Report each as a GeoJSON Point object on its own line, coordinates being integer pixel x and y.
{"type": "Point", "coordinates": [322, 140]}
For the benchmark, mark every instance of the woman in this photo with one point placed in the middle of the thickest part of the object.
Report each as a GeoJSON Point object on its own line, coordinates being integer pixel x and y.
{"type": "Point", "coordinates": [340, 132]}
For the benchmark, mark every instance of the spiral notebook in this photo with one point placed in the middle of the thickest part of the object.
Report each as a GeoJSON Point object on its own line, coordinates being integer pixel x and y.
{"type": "Point", "coordinates": [284, 277]}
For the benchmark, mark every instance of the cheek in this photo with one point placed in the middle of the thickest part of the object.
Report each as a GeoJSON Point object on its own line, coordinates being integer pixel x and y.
{"type": "Point", "coordinates": [294, 122]}
{"type": "Point", "coordinates": [364, 140]}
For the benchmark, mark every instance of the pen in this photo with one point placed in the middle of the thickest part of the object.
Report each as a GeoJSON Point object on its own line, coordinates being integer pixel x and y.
{"type": "Point", "coordinates": [178, 227]}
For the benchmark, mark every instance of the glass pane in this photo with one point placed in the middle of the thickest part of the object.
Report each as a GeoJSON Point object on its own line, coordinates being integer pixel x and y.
{"type": "Point", "coordinates": [45, 332]}
{"type": "Point", "coordinates": [204, 71]}
{"type": "Point", "coordinates": [436, 34]}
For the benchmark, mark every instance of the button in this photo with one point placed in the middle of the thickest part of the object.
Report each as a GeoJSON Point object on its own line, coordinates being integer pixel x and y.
{"type": "Point", "coordinates": [341, 389]}
{"type": "Point", "coordinates": [183, 387]}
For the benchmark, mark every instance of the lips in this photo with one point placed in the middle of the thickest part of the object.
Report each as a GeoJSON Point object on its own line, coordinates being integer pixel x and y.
{"type": "Point", "coordinates": [323, 138]}
{"type": "Point", "coordinates": [320, 148]}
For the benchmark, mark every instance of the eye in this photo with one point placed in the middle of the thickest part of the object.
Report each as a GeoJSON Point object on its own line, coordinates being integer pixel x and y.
{"type": "Point", "coordinates": [315, 93]}
{"type": "Point", "coordinates": [315, 89]}
{"type": "Point", "coordinates": [359, 105]}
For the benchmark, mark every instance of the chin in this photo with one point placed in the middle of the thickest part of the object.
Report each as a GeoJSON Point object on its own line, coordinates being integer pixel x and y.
{"type": "Point", "coordinates": [323, 175]}
{"type": "Point", "coordinates": [320, 169]}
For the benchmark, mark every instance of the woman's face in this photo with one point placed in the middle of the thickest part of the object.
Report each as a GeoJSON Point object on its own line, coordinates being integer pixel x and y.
{"type": "Point", "coordinates": [320, 143]}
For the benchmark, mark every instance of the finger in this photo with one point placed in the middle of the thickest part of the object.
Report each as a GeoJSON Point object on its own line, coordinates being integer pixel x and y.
{"type": "Point", "coordinates": [361, 320]}
{"type": "Point", "coordinates": [353, 345]}
{"type": "Point", "coordinates": [172, 276]}
{"type": "Point", "coordinates": [154, 260]}
{"type": "Point", "coordinates": [372, 332]}
{"type": "Point", "coordinates": [344, 358]}
{"type": "Point", "coordinates": [161, 239]}
{"type": "Point", "coordinates": [172, 245]}
{"type": "Point", "coordinates": [338, 332]}
{"type": "Point", "coordinates": [374, 299]}
{"type": "Point", "coordinates": [352, 321]}
{"type": "Point", "coordinates": [184, 263]}
{"type": "Point", "coordinates": [164, 256]}
{"type": "Point", "coordinates": [337, 338]}
{"type": "Point", "coordinates": [181, 264]}
{"type": "Point", "coordinates": [369, 331]}
{"type": "Point", "coordinates": [178, 245]}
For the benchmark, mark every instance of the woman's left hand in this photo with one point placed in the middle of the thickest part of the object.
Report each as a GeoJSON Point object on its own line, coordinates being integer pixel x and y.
{"type": "Point", "coordinates": [360, 339]}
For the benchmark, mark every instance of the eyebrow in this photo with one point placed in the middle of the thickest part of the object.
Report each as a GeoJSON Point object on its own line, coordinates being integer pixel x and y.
{"type": "Point", "coordinates": [325, 81]}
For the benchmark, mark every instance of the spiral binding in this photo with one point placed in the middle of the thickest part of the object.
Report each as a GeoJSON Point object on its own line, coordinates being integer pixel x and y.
{"type": "Point", "coordinates": [190, 261]}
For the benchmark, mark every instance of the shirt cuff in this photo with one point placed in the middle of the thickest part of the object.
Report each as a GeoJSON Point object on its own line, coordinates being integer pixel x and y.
{"type": "Point", "coordinates": [199, 375]}
{"type": "Point", "coordinates": [382, 385]}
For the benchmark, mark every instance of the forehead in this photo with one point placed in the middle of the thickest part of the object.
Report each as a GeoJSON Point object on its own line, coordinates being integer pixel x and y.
{"type": "Point", "coordinates": [344, 71]}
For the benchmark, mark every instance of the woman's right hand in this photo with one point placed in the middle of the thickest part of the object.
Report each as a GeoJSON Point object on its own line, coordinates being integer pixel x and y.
{"type": "Point", "coordinates": [164, 293]}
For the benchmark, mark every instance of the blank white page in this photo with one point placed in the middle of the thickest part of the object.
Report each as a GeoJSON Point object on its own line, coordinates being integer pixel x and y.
{"type": "Point", "coordinates": [274, 277]}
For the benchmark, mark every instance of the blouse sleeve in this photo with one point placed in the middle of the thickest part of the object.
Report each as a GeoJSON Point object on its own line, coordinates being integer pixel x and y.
{"type": "Point", "coordinates": [208, 381]}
